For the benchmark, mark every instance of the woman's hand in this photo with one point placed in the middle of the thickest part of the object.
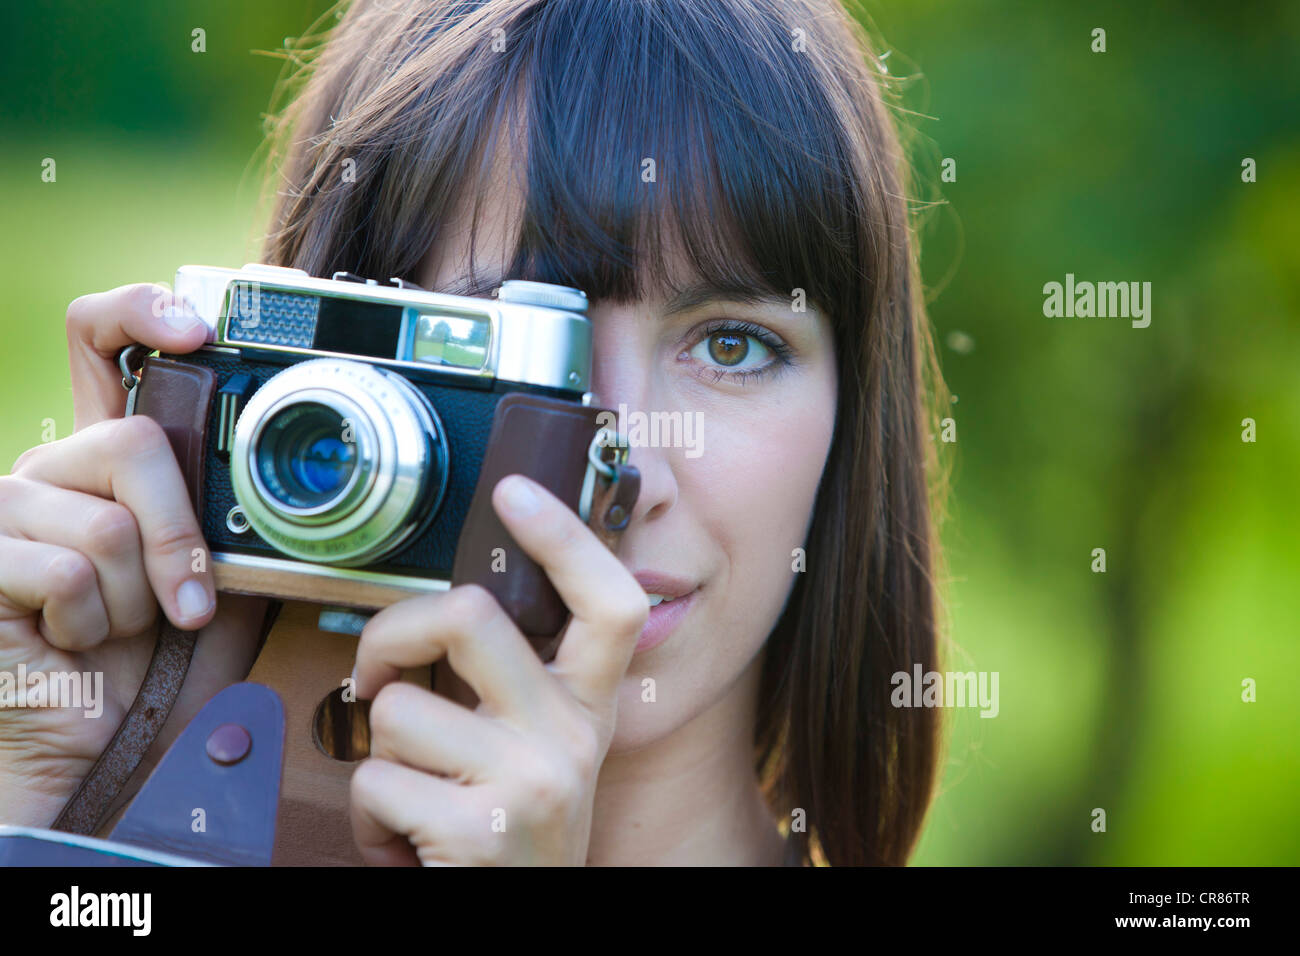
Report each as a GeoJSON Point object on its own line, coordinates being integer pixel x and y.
{"type": "Point", "coordinates": [513, 781]}
{"type": "Point", "coordinates": [96, 530]}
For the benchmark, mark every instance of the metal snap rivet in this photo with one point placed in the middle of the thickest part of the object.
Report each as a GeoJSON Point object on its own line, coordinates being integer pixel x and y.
{"type": "Point", "coordinates": [229, 744]}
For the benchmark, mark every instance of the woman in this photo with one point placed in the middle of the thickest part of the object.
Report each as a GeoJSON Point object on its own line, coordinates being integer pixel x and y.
{"type": "Point", "coordinates": [723, 181]}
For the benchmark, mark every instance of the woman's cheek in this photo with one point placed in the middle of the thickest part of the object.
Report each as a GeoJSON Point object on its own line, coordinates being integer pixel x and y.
{"type": "Point", "coordinates": [759, 522]}
{"type": "Point", "coordinates": [761, 471]}
{"type": "Point", "coordinates": [751, 493]}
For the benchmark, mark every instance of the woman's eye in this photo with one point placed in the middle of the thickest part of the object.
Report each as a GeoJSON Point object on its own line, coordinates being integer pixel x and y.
{"type": "Point", "coordinates": [732, 350]}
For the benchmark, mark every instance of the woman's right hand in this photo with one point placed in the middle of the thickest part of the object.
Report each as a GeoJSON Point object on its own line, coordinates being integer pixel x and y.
{"type": "Point", "coordinates": [96, 533]}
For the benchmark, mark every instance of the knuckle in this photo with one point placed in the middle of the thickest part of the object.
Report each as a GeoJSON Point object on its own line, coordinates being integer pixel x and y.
{"type": "Point", "coordinates": [365, 781]}
{"type": "Point", "coordinates": [625, 611]}
{"type": "Point", "coordinates": [138, 435]}
{"type": "Point", "coordinates": [112, 530]}
{"type": "Point", "coordinates": [25, 459]}
{"type": "Point", "coordinates": [473, 605]}
{"type": "Point", "coordinates": [385, 712]}
{"type": "Point", "coordinates": [10, 489]}
{"type": "Point", "coordinates": [79, 315]}
{"type": "Point", "coordinates": [549, 785]}
{"type": "Point", "coordinates": [172, 536]}
{"type": "Point", "coordinates": [69, 575]}
{"type": "Point", "coordinates": [583, 745]}
{"type": "Point", "coordinates": [148, 298]}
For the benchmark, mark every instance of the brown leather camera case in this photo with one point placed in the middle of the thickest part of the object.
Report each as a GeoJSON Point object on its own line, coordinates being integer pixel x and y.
{"type": "Point", "coordinates": [546, 440]}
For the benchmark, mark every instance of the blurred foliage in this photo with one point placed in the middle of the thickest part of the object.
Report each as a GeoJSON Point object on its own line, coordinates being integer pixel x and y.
{"type": "Point", "coordinates": [1119, 690]}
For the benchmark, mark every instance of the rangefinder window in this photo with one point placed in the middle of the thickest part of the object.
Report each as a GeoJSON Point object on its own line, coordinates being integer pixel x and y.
{"type": "Point", "coordinates": [446, 338]}
{"type": "Point", "coordinates": [353, 327]}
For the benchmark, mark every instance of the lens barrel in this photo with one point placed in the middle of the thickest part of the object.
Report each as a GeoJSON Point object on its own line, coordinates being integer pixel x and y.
{"type": "Point", "coordinates": [338, 462]}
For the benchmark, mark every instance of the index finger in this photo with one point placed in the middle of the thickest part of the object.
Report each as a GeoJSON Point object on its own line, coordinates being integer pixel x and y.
{"type": "Point", "coordinates": [101, 324]}
{"type": "Point", "coordinates": [131, 461]}
{"type": "Point", "coordinates": [609, 607]}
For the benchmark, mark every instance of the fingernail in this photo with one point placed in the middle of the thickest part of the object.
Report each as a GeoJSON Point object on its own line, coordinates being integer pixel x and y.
{"type": "Point", "coordinates": [518, 497]}
{"type": "Point", "coordinates": [179, 318]}
{"type": "Point", "coordinates": [192, 599]}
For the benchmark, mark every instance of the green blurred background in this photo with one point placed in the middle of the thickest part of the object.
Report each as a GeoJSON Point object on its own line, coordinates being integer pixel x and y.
{"type": "Point", "coordinates": [1119, 690]}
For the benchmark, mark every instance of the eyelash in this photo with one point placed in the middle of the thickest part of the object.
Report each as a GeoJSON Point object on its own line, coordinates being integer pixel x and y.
{"type": "Point", "coordinates": [782, 354]}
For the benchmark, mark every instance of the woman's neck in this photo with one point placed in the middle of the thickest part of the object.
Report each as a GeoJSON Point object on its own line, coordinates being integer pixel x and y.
{"type": "Point", "coordinates": [692, 798]}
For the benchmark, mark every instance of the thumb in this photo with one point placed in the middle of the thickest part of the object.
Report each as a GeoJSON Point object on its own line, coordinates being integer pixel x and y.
{"type": "Point", "coordinates": [101, 324]}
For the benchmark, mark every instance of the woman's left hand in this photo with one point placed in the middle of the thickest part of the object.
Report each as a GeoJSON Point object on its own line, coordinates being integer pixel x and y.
{"type": "Point", "coordinates": [513, 781]}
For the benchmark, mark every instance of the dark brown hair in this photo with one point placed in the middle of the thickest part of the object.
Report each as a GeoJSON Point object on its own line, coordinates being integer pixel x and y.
{"type": "Point", "coordinates": [777, 167]}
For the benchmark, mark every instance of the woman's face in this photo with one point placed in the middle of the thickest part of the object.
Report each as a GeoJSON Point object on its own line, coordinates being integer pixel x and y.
{"type": "Point", "coordinates": [721, 510]}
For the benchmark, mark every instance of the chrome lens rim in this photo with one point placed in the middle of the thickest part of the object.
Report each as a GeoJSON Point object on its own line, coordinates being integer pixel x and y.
{"type": "Point", "coordinates": [398, 481]}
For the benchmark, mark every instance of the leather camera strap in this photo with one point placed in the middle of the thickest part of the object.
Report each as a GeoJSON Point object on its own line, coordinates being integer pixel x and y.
{"type": "Point", "coordinates": [92, 802]}
{"type": "Point", "coordinates": [86, 809]}
{"type": "Point", "coordinates": [179, 398]}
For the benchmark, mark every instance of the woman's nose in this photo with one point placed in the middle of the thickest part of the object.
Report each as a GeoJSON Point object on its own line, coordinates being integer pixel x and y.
{"type": "Point", "coordinates": [658, 483]}
{"type": "Point", "coordinates": [624, 381]}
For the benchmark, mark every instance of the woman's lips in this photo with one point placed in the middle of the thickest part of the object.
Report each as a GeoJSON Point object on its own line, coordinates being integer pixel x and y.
{"type": "Point", "coordinates": [663, 619]}
{"type": "Point", "coordinates": [678, 594]}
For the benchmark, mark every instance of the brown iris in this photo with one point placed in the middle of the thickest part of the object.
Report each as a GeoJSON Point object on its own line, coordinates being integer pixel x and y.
{"type": "Point", "coordinates": [727, 348]}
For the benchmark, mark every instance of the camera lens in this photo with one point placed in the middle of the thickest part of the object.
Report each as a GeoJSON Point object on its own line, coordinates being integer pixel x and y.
{"type": "Point", "coordinates": [339, 462]}
{"type": "Point", "coordinates": [303, 457]}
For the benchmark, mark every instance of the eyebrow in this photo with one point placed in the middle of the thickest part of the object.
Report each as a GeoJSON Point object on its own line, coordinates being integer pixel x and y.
{"type": "Point", "coordinates": [699, 293]}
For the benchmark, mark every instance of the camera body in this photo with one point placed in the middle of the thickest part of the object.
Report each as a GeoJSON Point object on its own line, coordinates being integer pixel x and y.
{"type": "Point", "coordinates": [334, 432]}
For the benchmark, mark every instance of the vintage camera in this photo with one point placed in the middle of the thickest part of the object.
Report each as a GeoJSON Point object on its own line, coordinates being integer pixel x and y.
{"type": "Point", "coordinates": [341, 437]}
